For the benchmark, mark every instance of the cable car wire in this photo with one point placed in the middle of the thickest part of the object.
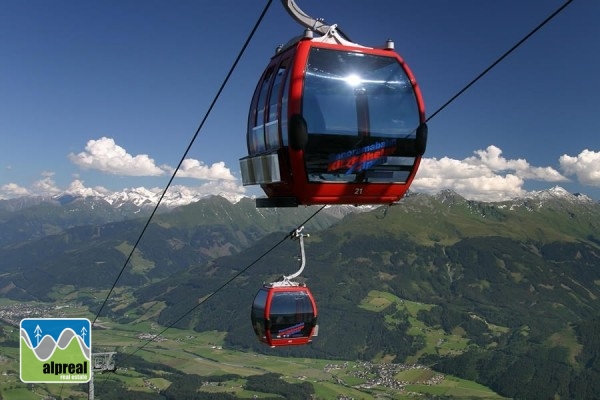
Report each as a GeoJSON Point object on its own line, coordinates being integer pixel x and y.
{"type": "Point", "coordinates": [225, 284]}
{"type": "Point", "coordinates": [242, 271]}
{"type": "Point", "coordinates": [502, 57]}
{"type": "Point", "coordinates": [320, 209]}
{"type": "Point", "coordinates": [433, 115]}
{"type": "Point", "coordinates": [185, 153]}
{"type": "Point", "coordinates": [459, 93]}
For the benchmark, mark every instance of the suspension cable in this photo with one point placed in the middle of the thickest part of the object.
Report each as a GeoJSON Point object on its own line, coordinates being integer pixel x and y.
{"type": "Point", "coordinates": [217, 290]}
{"type": "Point", "coordinates": [242, 271]}
{"type": "Point", "coordinates": [502, 57]}
{"type": "Point", "coordinates": [321, 208]}
{"type": "Point", "coordinates": [458, 94]}
{"type": "Point", "coordinates": [212, 104]}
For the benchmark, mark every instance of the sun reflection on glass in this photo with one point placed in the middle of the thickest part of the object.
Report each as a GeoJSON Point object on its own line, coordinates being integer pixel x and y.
{"type": "Point", "coordinates": [353, 80]}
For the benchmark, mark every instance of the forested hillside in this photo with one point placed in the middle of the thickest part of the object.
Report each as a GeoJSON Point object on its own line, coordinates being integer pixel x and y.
{"type": "Point", "coordinates": [92, 255]}
{"type": "Point", "coordinates": [506, 294]}
{"type": "Point", "coordinates": [497, 293]}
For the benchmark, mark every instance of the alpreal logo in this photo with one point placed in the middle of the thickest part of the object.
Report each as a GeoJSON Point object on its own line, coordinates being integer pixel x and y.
{"type": "Point", "coordinates": [56, 350]}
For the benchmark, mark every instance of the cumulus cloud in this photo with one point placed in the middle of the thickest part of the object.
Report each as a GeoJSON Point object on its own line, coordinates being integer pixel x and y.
{"type": "Point", "coordinates": [78, 188]}
{"type": "Point", "coordinates": [486, 176]}
{"type": "Point", "coordinates": [12, 190]}
{"type": "Point", "coordinates": [45, 186]}
{"type": "Point", "coordinates": [191, 168]}
{"type": "Point", "coordinates": [106, 156]}
{"type": "Point", "coordinates": [491, 158]}
{"type": "Point", "coordinates": [585, 166]}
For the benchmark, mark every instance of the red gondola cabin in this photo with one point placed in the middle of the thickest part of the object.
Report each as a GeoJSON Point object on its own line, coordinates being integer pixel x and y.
{"type": "Point", "coordinates": [284, 315]}
{"type": "Point", "coordinates": [334, 123]}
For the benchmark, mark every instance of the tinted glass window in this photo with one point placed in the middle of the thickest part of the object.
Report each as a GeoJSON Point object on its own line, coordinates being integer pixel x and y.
{"type": "Point", "coordinates": [257, 131]}
{"type": "Point", "coordinates": [291, 314]}
{"type": "Point", "coordinates": [362, 114]}
{"type": "Point", "coordinates": [272, 125]}
{"type": "Point", "coordinates": [258, 312]}
{"type": "Point", "coordinates": [260, 301]}
{"type": "Point", "coordinates": [284, 109]}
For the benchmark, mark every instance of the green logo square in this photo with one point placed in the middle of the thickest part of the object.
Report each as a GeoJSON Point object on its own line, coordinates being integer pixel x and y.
{"type": "Point", "coordinates": [56, 350]}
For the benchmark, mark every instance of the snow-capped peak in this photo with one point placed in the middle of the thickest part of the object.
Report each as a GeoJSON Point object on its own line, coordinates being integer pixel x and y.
{"type": "Point", "coordinates": [143, 197]}
{"type": "Point", "coordinates": [558, 192]}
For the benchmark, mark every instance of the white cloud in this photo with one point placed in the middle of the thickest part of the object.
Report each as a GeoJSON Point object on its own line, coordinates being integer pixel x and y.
{"type": "Point", "coordinates": [486, 176]}
{"type": "Point", "coordinates": [191, 168]}
{"type": "Point", "coordinates": [12, 190]}
{"type": "Point", "coordinates": [492, 159]}
{"type": "Point", "coordinates": [585, 166]}
{"type": "Point", "coordinates": [106, 156]}
{"type": "Point", "coordinates": [78, 188]}
{"type": "Point", "coordinates": [45, 186]}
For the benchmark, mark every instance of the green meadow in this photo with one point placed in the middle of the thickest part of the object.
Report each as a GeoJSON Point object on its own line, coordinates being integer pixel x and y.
{"type": "Point", "coordinates": [204, 354]}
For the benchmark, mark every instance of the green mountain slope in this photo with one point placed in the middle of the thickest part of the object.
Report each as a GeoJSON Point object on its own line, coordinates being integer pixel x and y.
{"type": "Point", "coordinates": [506, 294]}
{"type": "Point", "coordinates": [92, 256]}
{"type": "Point", "coordinates": [37, 218]}
{"type": "Point", "coordinates": [480, 290]}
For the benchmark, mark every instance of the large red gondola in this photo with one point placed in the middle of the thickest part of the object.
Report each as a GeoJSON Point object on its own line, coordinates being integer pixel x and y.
{"type": "Point", "coordinates": [284, 315]}
{"type": "Point", "coordinates": [333, 122]}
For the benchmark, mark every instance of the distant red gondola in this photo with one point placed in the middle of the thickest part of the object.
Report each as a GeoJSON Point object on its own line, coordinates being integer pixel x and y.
{"type": "Point", "coordinates": [333, 122]}
{"type": "Point", "coordinates": [284, 315]}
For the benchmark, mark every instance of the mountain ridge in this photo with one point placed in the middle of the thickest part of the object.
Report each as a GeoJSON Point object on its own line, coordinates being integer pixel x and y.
{"type": "Point", "coordinates": [144, 198]}
{"type": "Point", "coordinates": [31, 217]}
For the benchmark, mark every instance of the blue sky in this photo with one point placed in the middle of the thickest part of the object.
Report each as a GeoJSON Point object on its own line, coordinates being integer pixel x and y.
{"type": "Point", "coordinates": [104, 96]}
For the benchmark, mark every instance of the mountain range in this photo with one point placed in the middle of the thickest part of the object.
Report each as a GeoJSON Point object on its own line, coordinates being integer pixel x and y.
{"type": "Point", "coordinates": [506, 293]}
{"type": "Point", "coordinates": [131, 198]}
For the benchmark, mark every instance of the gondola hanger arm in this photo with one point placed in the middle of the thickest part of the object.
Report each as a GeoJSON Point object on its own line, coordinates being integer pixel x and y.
{"type": "Point", "coordinates": [304, 19]}
{"type": "Point", "coordinates": [286, 280]}
{"type": "Point", "coordinates": [316, 24]}
{"type": "Point", "coordinates": [300, 236]}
